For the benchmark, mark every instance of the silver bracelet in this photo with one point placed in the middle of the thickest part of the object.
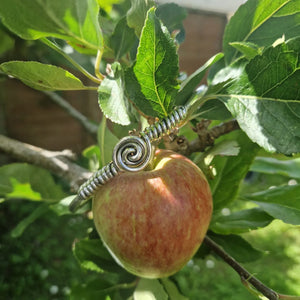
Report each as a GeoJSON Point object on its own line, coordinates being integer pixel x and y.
{"type": "Point", "coordinates": [131, 154]}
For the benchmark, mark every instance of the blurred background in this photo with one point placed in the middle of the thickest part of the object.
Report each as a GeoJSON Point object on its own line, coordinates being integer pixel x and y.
{"type": "Point", "coordinates": [38, 264]}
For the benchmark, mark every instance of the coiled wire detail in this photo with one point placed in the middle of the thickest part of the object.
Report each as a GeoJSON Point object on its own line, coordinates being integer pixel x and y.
{"type": "Point", "coordinates": [131, 154]}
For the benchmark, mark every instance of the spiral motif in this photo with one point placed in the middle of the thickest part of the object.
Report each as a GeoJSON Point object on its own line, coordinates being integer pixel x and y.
{"type": "Point", "coordinates": [133, 153]}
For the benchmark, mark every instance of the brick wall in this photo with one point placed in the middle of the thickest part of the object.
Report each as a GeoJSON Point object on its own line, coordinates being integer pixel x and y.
{"type": "Point", "coordinates": [203, 39]}
{"type": "Point", "coordinates": [30, 116]}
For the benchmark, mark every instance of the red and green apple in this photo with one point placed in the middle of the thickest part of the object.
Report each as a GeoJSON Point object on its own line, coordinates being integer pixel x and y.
{"type": "Point", "coordinates": [154, 221]}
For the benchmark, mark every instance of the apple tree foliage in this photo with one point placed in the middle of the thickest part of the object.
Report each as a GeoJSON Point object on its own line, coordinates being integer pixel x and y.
{"type": "Point", "coordinates": [255, 80]}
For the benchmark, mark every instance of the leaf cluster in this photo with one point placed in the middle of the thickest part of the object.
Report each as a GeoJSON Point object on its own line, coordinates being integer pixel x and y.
{"type": "Point", "coordinates": [255, 80]}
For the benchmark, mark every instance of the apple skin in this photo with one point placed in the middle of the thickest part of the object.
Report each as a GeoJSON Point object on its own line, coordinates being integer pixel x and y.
{"type": "Point", "coordinates": [154, 221]}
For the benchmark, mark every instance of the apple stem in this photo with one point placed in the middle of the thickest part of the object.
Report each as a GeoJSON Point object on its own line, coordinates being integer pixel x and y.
{"type": "Point", "coordinates": [246, 277]}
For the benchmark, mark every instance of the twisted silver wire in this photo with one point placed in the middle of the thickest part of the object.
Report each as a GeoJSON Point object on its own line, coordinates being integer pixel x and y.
{"type": "Point", "coordinates": [131, 154]}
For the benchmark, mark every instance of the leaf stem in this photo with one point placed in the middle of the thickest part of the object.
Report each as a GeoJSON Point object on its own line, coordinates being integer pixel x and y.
{"type": "Point", "coordinates": [102, 142]}
{"type": "Point", "coordinates": [97, 65]}
{"type": "Point", "coordinates": [71, 60]}
{"type": "Point", "coordinates": [246, 277]}
{"type": "Point", "coordinates": [84, 88]}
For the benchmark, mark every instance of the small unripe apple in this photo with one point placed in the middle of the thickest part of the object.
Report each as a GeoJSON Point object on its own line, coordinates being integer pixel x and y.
{"type": "Point", "coordinates": [154, 221]}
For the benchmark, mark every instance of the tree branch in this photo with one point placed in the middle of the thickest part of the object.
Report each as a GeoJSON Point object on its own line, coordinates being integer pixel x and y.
{"type": "Point", "coordinates": [83, 120]}
{"type": "Point", "coordinates": [206, 137]}
{"type": "Point", "coordinates": [58, 162]}
{"type": "Point", "coordinates": [246, 277]}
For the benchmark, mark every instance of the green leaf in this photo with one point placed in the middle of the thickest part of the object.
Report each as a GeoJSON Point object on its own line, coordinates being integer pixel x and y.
{"type": "Point", "coordinates": [122, 39]}
{"type": "Point", "coordinates": [215, 69]}
{"type": "Point", "coordinates": [288, 195]}
{"type": "Point", "coordinates": [104, 287]}
{"type": "Point", "coordinates": [189, 85]}
{"type": "Point", "coordinates": [106, 141]}
{"type": "Point", "coordinates": [28, 182]}
{"type": "Point", "coordinates": [172, 15]}
{"type": "Point", "coordinates": [225, 76]}
{"type": "Point", "coordinates": [20, 228]}
{"type": "Point", "coordinates": [272, 124]}
{"type": "Point", "coordinates": [280, 64]}
{"type": "Point", "coordinates": [231, 170]}
{"type": "Point", "coordinates": [213, 110]}
{"type": "Point", "coordinates": [262, 23]}
{"type": "Point", "coordinates": [172, 290]}
{"type": "Point", "coordinates": [133, 90]}
{"type": "Point", "coordinates": [284, 213]}
{"type": "Point", "coordinates": [72, 20]}
{"type": "Point", "coordinates": [92, 255]}
{"type": "Point", "coordinates": [281, 202]}
{"type": "Point", "coordinates": [108, 4]}
{"type": "Point", "coordinates": [156, 67]}
{"type": "Point", "coordinates": [249, 50]}
{"type": "Point", "coordinates": [111, 96]}
{"type": "Point", "coordinates": [22, 190]}
{"type": "Point", "coordinates": [7, 42]}
{"type": "Point", "coordinates": [237, 247]}
{"type": "Point", "coordinates": [63, 207]}
{"type": "Point", "coordinates": [93, 154]}
{"type": "Point", "coordinates": [41, 76]}
{"type": "Point", "coordinates": [95, 289]}
{"type": "Point", "coordinates": [149, 289]}
{"type": "Point", "coordinates": [136, 15]}
{"type": "Point", "coordinates": [270, 165]}
{"type": "Point", "coordinates": [223, 148]}
{"type": "Point", "coordinates": [240, 221]}
{"type": "Point", "coordinates": [265, 98]}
